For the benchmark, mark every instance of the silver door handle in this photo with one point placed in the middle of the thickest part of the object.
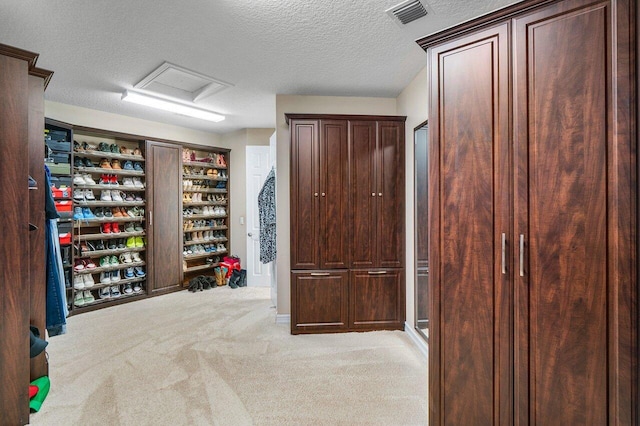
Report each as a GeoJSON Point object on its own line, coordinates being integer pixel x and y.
{"type": "Point", "coordinates": [376, 272]}
{"type": "Point", "coordinates": [522, 255]}
{"type": "Point", "coordinates": [250, 234]}
{"type": "Point", "coordinates": [504, 253]}
{"type": "Point", "coordinates": [320, 274]}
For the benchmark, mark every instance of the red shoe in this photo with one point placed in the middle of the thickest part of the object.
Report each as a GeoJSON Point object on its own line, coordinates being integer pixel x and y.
{"type": "Point", "coordinates": [114, 228]}
{"type": "Point", "coordinates": [113, 180]}
{"type": "Point", "coordinates": [104, 180]}
{"type": "Point", "coordinates": [106, 228]}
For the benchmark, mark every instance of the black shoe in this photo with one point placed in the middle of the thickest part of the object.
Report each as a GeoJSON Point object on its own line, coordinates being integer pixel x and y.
{"type": "Point", "coordinates": [112, 244]}
{"type": "Point", "coordinates": [88, 163]}
{"type": "Point", "coordinates": [243, 278]}
{"type": "Point", "coordinates": [78, 162]}
{"type": "Point", "coordinates": [121, 243]}
{"type": "Point", "coordinates": [100, 245]}
{"type": "Point", "coordinates": [90, 246]}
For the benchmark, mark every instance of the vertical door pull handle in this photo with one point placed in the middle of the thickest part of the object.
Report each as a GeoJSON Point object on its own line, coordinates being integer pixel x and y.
{"type": "Point", "coordinates": [504, 253]}
{"type": "Point", "coordinates": [522, 255]}
{"type": "Point", "coordinates": [150, 218]}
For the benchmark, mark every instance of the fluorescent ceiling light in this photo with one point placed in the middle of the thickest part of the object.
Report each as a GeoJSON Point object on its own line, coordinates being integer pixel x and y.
{"type": "Point", "coordinates": [167, 105]}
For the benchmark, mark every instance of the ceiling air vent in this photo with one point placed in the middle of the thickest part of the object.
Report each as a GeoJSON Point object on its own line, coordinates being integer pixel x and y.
{"type": "Point", "coordinates": [408, 11]}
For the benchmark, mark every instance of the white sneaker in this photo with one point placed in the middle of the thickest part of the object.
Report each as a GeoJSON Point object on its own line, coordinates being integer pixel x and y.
{"type": "Point", "coordinates": [88, 297]}
{"type": "Point", "coordinates": [135, 256]}
{"type": "Point", "coordinates": [137, 182]}
{"type": "Point", "coordinates": [78, 194]}
{"type": "Point", "coordinates": [115, 276]}
{"type": "Point", "coordinates": [79, 180]}
{"type": "Point", "coordinates": [106, 195]}
{"type": "Point", "coordinates": [88, 195]}
{"type": "Point", "coordinates": [127, 289]}
{"type": "Point", "coordinates": [88, 281]}
{"type": "Point", "coordinates": [78, 282]}
{"type": "Point", "coordinates": [88, 180]}
{"type": "Point", "coordinates": [137, 287]}
{"type": "Point", "coordinates": [115, 291]}
{"type": "Point", "coordinates": [105, 277]}
{"type": "Point", "coordinates": [104, 293]}
{"type": "Point", "coordinates": [128, 182]}
{"type": "Point", "coordinates": [115, 196]}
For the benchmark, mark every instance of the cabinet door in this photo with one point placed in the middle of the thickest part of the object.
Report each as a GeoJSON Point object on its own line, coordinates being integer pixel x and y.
{"type": "Point", "coordinates": [334, 184]}
{"type": "Point", "coordinates": [390, 194]}
{"type": "Point", "coordinates": [469, 336]}
{"type": "Point", "coordinates": [364, 193]}
{"type": "Point", "coordinates": [319, 301]}
{"type": "Point", "coordinates": [164, 223]}
{"type": "Point", "coordinates": [574, 290]}
{"type": "Point", "coordinates": [305, 194]}
{"type": "Point", "coordinates": [376, 299]}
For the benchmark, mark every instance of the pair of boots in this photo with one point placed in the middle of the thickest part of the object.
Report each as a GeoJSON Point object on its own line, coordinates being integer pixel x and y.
{"type": "Point", "coordinates": [220, 276]}
{"type": "Point", "coordinates": [238, 278]}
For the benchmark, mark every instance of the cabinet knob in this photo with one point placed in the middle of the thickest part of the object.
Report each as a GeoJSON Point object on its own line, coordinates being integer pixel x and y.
{"type": "Point", "coordinates": [315, 194]}
{"type": "Point", "coordinates": [323, 194]}
{"type": "Point", "coordinates": [379, 194]}
{"type": "Point", "coordinates": [373, 194]}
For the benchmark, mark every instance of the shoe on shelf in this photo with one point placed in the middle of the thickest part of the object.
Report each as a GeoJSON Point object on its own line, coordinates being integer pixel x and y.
{"type": "Point", "coordinates": [139, 271]}
{"type": "Point", "coordinates": [79, 265]}
{"type": "Point", "coordinates": [104, 147]}
{"type": "Point", "coordinates": [113, 260]}
{"type": "Point", "coordinates": [127, 289]}
{"type": "Point", "coordinates": [104, 179]}
{"type": "Point", "coordinates": [115, 165]}
{"type": "Point", "coordinates": [78, 282]}
{"type": "Point", "coordinates": [114, 148]}
{"type": "Point", "coordinates": [105, 164]}
{"type": "Point", "coordinates": [117, 196]}
{"type": "Point", "coordinates": [135, 257]}
{"type": "Point", "coordinates": [125, 258]}
{"type": "Point", "coordinates": [78, 179]}
{"type": "Point", "coordinates": [99, 213]}
{"type": "Point", "coordinates": [104, 293]}
{"type": "Point", "coordinates": [139, 242]}
{"type": "Point", "coordinates": [77, 213]}
{"type": "Point", "coordinates": [88, 280]}
{"type": "Point", "coordinates": [113, 180]}
{"type": "Point", "coordinates": [100, 245]}
{"type": "Point", "coordinates": [78, 195]}
{"type": "Point", "coordinates": [115, 211]}
{"type": "Point", "coordinates": [137, 287]}
{"type": "Point", "coordinates": [88, 195]}
{"type": "Point", "coordinates": [124, 150]}
{"type": "Point", "coordinates": [88, 163]}
{"type": "Point", "coordinates": [128, 273]}
{"type": "Point", "coordinates": [114, 228]}
{"type": "Point", "coordinates": [115, 276]}
{"type": "Point", "coordinates": [137, 182]}
{"type": "Point", "coordinates": [128, 182]}
{"type": "Point", "coordinates": [129, 227]}
{"type": "Point", "coordinates": [106, 227]}
{"type": "Point", "coordinates": [137, 152]}
{"type": "Point", "coordinates": [104, 261]}
{"type": "Point", "coordinates": [106, 195]}
{"type": "Point", "coordinates": [87, 213]}
{"type": "Point", "coordinates": [138, 227]}
{"type": "Point", "coordinates": [131, 242]}
{"type": "Point", "coordinates": [121, 243]}
{"type": "Point", "coordinates": [88, 264]}
{"type": "Point", "coordinates": [115, 291]}
{"type": "Point", "coordinates": [105, 277]}
{"type": "Point", "coordinates": [137, 166]}
{"type": "Point", "coordinates": [78, 299]}
{"type": "Point", "coordinates": [88, 297]}
{"type": "Point", "coordinates": [112, 244]}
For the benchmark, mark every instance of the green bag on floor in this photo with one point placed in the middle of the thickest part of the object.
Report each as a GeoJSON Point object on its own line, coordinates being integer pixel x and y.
{"type": "Point", "coordinates": [43, 384]}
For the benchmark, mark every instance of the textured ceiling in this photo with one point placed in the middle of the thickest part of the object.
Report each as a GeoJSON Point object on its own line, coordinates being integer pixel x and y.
{"type": "Point", "coordinates": [263, 47]}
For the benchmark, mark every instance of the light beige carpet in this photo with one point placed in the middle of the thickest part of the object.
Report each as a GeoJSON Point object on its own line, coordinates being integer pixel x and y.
{"type": "Point", "coordinates": [218, 358]}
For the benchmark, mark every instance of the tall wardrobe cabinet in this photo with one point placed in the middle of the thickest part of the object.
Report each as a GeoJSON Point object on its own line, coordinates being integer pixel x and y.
{"type": "Point", "coordinates": [533, 199]}
{"type": "Point", "coordinates": [347, 222]}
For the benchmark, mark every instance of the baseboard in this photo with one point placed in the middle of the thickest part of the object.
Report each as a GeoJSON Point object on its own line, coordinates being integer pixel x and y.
{"type": "Point", "coordinates": [417, 339]}
{"type": "Point", "coordinates": [283, 319]}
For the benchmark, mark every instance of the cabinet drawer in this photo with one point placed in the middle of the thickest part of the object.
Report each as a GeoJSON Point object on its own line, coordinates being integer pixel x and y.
{"type": "Point", "coordinates": [377, 299]}
{"type": "Point", "coordinates": [319, 301]}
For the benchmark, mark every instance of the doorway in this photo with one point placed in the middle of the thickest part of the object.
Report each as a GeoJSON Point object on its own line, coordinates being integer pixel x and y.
{"type": "Point", "coordinates": [421, 137]}
{"type": "Point", "coordinates": [257, 167]}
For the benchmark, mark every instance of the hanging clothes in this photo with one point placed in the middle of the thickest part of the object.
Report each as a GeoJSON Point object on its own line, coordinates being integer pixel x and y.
{"type": "Point", "coordinates": [57, 310]}
{"type": "Point", "coordinates": [267, 214]}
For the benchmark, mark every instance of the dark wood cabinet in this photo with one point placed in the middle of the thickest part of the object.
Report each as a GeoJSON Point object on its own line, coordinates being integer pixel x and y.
{"type": "Point", "coordinates": [22, 283]}
{"type": "Point", "coordinates": [377, 299]}
{"type": "Point", "coordinates": [325, 296]}
{"type": "Point", "coordinates": [319, 195]}
{"type": "Point", "coordinates": [532, 217]}
{"type": "Point", "coordinates": [164, 197]}
{"type": "Point", "coordinates": [347, 211]}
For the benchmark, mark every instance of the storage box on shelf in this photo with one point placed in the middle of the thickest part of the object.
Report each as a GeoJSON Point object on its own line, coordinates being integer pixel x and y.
{"type": "Point", "coordinates": [205, 201]}
{"type": "Point", "coordinates": [109, 216]}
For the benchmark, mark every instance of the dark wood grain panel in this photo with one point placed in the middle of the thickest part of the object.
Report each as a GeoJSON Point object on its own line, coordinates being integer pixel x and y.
{"type": "Point", "coordinates": [37, 242]}
{"type": "Point", "coordinates": [14, 250]}
{"type": "Point", "coordinates": [471, 161]}
{"type": "Point", "coordinates": [319, 301]}
{"type": "Point", "coordinates": [564, 220]}
{"type": "Point", "coordinates": [164, 198]}
{"type": "Point", "coordinates": [422, 298]}
{"type": "Point", "coordinates": [363, 189]}
{"type": "Point", "coordinates": [334, 195]}
{"type": "Point", "coordinates": [376, 299]}
{"type": "Point", "coordinates": [304, 194]}
{"type": "Point", "coordinates": [390, 194]}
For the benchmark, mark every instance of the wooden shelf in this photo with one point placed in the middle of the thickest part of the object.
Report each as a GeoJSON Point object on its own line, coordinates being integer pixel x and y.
{"type": "Point", "coordinates": [110, 155]}
{"type": "Point", "coordinates": [209, 165]}
{"type": "Point", "coordinates": [204, 203]}
{"type": "Point", "coordinates": [98, 285]}
{"type": "Point", "coordinates": [191, 243]}
{"type": "Point", "coordinates": [204, 255]}
{"type": "Point", "coordinates": [111, 187]}
{"type": "Point", "coordinates": [117, 251]}
{"type": "Point", "coordinates": [205, 177]}
{"type": "Point", "coordinates": [118, 172]}
{"type": "Point", "coordinates": [87, 222]}
{"type": "Point", "coordinates": [207, 190]}
{"type": "Point", "coordinates": [109, 203]}
{"type": "Point", "coordinates": [94, 237]}
{"type": "Point", "coordinates": [206, 228]}
{"type": "Point", "coordinates": [203, 216]}
{"type": "Point", "coordinates": [99, 301]}
{"type": "Point", "coordinates": [201, 267]}
{"type": "Point", "coordinates": [119, 266]}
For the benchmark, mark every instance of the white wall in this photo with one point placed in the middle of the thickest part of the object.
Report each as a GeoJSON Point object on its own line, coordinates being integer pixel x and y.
{"type": "Point", "coordinates": [413, 103]}
{"type": "Point", "coordinates": [310, 105]}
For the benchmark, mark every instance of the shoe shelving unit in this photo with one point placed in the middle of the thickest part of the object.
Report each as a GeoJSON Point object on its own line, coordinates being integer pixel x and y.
{"type": "Point", "coordinates": [58, 139]}
{"type": "Point", "coordinates": [205, 212]}
{"type": "Point", "coordinates": [109, 220]}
